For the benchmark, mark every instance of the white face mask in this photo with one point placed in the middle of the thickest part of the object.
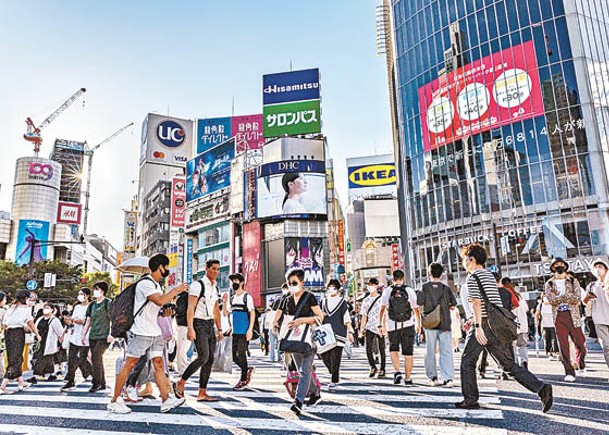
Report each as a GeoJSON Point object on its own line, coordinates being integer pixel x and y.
{"type": "Point", "coordinates": [81, 298]}
{"type": "Point", "coordinates": [330, 291]}
{"type": "Point", "coordinates": [294, 289]}
{"type": "Point", "coordinates": [47, 311]}
{"type": "Point", "coordinates": [96, 294]}
{"type": "Point", "coordinates": [371, 288]}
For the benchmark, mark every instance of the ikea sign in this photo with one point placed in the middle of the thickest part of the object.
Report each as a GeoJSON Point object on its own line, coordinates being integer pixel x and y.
{"type": "Point", "coordinates": [381, 174]}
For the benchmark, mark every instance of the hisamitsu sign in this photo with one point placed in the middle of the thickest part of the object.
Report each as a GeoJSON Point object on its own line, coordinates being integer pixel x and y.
{"type": "Point", "coordinates": [290, 86]}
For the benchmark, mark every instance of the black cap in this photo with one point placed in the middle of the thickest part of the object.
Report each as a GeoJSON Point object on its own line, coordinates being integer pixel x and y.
{"type": "Point", "coordinates": [558, 260]}
{"type": "Point", "coordinates": [239, 277]}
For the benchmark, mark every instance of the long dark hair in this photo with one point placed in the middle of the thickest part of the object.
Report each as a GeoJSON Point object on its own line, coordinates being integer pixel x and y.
{"type": "Point", "coordinates": [287, 178]}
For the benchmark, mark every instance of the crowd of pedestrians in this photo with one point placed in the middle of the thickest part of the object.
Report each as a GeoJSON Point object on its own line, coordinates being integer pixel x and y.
{"type": "Point", "coordinates": [175, 333]}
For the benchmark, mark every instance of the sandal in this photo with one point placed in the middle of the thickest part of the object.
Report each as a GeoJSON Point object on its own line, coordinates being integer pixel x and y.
{"type": "Point", "coordinates": [208, 399]}
{"type": "Point", "coordinates": [178, 393]}
{"type": "Point", "coordinates": [5, 392]}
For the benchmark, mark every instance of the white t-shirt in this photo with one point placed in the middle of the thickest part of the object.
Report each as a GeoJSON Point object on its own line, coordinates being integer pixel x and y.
{"type": "Point", "coordinates": [412, 298]}
{"type": "Point", "coordinates": [145, 323]}
{"type": "Point", "coordinates": [467, 307]}
{"type": "Point", "coordinates": [371, 310]}
{"type": "Point", "coordinates": [79, 313]}
{"type": "Point", "coordinates": [205, 307]}
{"type": "Point", "coordinates": [547, 320]}
{"type": "Point", "coordinates": [561, 286]}
{"type": "Point", "coordinates": [238, 300]}
{"type": "Point", "coordinates": [17, 317]}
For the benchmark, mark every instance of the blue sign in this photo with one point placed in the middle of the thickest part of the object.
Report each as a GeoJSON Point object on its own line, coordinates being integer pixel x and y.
{"type": "Point", "coordinates": [212, 132]}
{"type": "Point", "coordinates": [30, 230]}
{"type": "Point", "coordinates": [171, 134]}
{"type": "Point", "coordinates": [283, 167]}
{"type": "Point", "coordinates": [32, 284]}
{"type": "Point", "coordinates": [493, 268]}
{"type": "Point", "coordinates": [290, 86]}
{"type": "Point", "coordinates": [189, 261]}
{"type": "Point", "coordinates": [210, 171]}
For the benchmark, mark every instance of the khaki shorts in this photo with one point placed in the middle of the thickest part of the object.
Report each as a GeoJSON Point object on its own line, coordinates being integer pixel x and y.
{"type": "Point", "coordinates": [139, 345]}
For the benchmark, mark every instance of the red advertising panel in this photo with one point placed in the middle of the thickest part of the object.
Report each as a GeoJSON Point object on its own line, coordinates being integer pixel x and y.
{"type": "Point", "coordinates": [341, 242]}
{"type": "Point", "coordinates": [491, 92]}
{"type": "Point", "coordinates": [251, 261]}
{"type": "Point", "coordinates": [69, 213]}
{"type": "Point", "coordinates": [178, 201]}
{"type": "Point", "coordinates": [395, 257]}
{"type": "Point", "coordinates": [247, 130]}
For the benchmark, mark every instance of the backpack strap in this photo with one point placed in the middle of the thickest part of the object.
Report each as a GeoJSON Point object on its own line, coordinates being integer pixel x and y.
{"type": "Point", "coordinates": [145, 302]}
{"type": "Point", "coordinates": [372, 305]}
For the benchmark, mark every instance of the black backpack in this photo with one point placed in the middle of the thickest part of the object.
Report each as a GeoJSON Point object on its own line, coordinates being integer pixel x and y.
{"type": "Point", "coordinates": [122, 309]}
{"type": "Point", "coordinates": [182, 305]}
{"type": "Point", "coordinates": [399, 306]}
{"type": "Point", "coordinates": [243, 307]}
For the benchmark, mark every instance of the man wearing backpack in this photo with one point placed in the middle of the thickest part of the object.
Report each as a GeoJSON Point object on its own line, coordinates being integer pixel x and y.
{"type": "Point", "coordinates": [241, 306]}
{"type": "Point", "coordinates": [400, 304]}
{"type": "Point", "coordinates": [371, 307]}
{"type": "Point", "coordinates": [485, 298]}
{"type": "Point", "coordinates": [145, 336]}
{"type": "Point", "coordinates": [203, 313]}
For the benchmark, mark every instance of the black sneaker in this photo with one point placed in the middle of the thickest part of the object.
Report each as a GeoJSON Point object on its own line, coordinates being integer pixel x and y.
{"type": "Point", "coordinates": [464, 405]}
{"type": "Point", "coordinates": [372, 372]}
{"type": "Point", "coordinates": [547, 398]}
{"type": "Point", "coordinates": [52, 378]}
{"type": "Point", "coordinates": [68, 386]}
{"type": "Point", "coordinates": [382, 374]}
{"type": "Point", "coordinates": [408, 382]}
{"type": "Point", "coordinates": [296, 407]}
{"type": "Point", "coordinates": [96, 388]}
{"type": "Point", "coordinates": [314, 400]}
{"type": "Point", "coordinates": [397, 378]}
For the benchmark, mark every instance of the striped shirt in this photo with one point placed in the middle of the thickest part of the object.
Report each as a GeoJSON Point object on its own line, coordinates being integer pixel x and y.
{"type": "Point", "coordinates": [490, 288]}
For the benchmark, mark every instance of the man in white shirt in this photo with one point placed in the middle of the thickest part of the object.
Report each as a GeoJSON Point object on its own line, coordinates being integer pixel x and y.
{"type": "Point", "coordinates": [597, 294]}
{"type": "Point", "coordinates": [371, 308]}
{"type": "Point", "coordinates": [145, 335]}
{"type": "Point", "coordinates": [203, 312]}
{"type": "Point", "coordinates": [400, 303]}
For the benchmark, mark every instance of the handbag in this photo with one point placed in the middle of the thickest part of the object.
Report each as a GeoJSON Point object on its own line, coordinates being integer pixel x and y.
{"type": "Point", "coordinates": [501, 322]}
{"type": "Point", "coordinates": [223, 357]}
{"type": "Point", "coordinates": [324, 338]}
{"type": "Point", "coordinates": [298, 339]}
{"type": "Point", "coordinates": [432, 319]}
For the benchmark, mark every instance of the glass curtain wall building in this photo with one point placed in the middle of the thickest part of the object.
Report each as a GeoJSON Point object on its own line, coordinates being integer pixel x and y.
{"type": "Point", "coordinates": [503, 111]}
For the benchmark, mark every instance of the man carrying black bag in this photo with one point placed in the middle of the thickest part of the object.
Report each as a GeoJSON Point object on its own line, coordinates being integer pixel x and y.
{"type": "Point", "coordinates": [490, 332]}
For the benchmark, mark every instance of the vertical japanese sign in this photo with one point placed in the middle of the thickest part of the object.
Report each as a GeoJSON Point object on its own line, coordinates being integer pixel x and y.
{"type": "Point", "coordinates": [341, 242]}
{"type": "Point", "coordinates": [291, 103]}
{"type": "Point", "coordinates": [307, 254]}
{"type": "Point", "coordinates": [129, 236]}
{"type": "Point", "coordinates": [178, 201]}
{"type": "Point", "coordinates": [395, 257]}
{"type": "Point", "coordinates": [491, 92]}
{"type": "Point", "coordinates": [251, 260]}
{"type": "Point", "coordinates": [189, 247]}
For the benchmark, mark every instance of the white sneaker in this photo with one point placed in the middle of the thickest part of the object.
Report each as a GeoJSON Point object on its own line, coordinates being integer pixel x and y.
{"type": "Point", "coordinates": [569, 378]}
{"type": "Point", "coordinates": [581, 372]}
{"type": "Point", "coordinates": [448, 384]}
{"type": "Point", "coordinates": [331, 387]}
{"type": "Point", "coordinates": [131, 393]}
{"type": "Point", "coordinates": [433, 382]}
{"type": "Point", "coordinates": [551, 358]}
{"type": "Point", "coordinates": [118, 407]}
{"type": "Point", "coordinates": [172, 403]}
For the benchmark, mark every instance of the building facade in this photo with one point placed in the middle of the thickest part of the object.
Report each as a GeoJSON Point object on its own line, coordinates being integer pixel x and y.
{"type": "Point", "coordinates": [503, 115]}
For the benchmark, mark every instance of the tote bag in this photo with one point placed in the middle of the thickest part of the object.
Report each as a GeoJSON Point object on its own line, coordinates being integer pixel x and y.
{"type": "Point", "coordinates": [299, 338]}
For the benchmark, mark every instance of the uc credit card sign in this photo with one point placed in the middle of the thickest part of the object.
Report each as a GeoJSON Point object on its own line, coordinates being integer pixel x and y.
{"type": "Point", "coordinates": [290, 86]}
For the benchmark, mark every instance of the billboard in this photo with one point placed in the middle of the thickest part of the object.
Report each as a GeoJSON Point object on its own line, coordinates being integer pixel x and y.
{"type": "Point", "coordinates": [166, 140]}
{"type": "Point", "coordinates": [488, 93]}
{"type": "Point", "coordinates": [30, 230]}
{"type": "Point", "coordinates": [129, 232]}
{"type": "Point", "coordinates": [210, 210]}
{"type": "Point", "coordinates": [70, 154]}
{"type": "Point", "coordinates": [178, 201]}
{"type": "Point", "coordinates": [246, 129]}
{"type": "Point", "coordinates": [252, 236]}
{"type": "Point", "coordinates": [301, 117]}
{"type": "Point", "coordinates": [210, 171]}
{"type": "Point", "coordinates": [307, 254]}
{"type": "Point", "coordinates": [341, 242]}
{"type": "Point", "coordinates": [69, 213]}
{"type": "Point", "coordinates": [291, 189]}
{"type": "Point", "coordinates": [371, 176]}
{"type": "Point", "coordinates": [290, 86]}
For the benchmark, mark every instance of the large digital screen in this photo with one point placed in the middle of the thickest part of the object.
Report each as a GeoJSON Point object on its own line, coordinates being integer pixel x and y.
{"type": "Point", "coordinates": [209, 171]}
{"type": "Point", "coordinates": [491, 92]}
{"type": "Point", "coordinates": [307, 254]}
{"type": "Point", "coordinates": [291, 189]}
{"type": "Point", "coordinates": [29, 232]}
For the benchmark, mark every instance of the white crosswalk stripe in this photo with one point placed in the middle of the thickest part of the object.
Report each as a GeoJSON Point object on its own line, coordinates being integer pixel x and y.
{"type": "Point", "coordinates": [360, 406]}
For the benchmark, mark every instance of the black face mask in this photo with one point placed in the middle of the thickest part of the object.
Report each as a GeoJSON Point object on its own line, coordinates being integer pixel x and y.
{"type": "Point", "coordinates": [165, 273]}
{"type": "Point", "coordinates": [560, 269]}
{"type": "Point", "coordinates": [236, 286]}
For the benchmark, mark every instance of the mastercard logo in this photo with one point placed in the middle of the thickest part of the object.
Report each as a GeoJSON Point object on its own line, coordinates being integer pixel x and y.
{"type": "Point", "coordinates": [158, 155]}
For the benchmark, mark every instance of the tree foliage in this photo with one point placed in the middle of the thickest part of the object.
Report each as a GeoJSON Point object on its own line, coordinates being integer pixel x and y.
{"type": "Point", "coordinates": [91, 278]}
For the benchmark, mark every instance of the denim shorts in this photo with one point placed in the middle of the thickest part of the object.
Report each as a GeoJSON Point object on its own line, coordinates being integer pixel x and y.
{"type": "Point", "coordinates": [139, 345]}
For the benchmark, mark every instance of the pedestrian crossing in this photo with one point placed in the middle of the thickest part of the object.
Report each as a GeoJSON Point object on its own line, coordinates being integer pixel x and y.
{"type": "Point", "coordinates": [360, 405]}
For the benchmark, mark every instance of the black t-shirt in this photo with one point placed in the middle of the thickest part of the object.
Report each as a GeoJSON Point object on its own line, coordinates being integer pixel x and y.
{"type": "Point", "coordinates": [434, 293]}
{"type": "Point", "coordinates": [308, 299]}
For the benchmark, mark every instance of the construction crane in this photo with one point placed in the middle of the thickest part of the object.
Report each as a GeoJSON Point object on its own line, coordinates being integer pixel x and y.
{"type": "Point", "coordinates": [33, 133]}
{"type": "Point", "coordinates": [89, 153]}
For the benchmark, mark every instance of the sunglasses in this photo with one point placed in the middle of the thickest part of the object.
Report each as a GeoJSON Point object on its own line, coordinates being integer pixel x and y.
{"type": "Point", "coordinates": [294, 283]}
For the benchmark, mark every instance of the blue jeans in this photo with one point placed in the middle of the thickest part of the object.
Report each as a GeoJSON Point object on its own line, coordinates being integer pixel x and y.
{"type": "Point", "coordinates": [306, 386]}
{"type": "Point", "coordinates": [273, 343]}
{"type": "Point", "coordinates": [447, 363]}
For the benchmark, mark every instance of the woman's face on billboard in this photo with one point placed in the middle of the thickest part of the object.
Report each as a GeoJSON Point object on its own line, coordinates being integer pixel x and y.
{"type": "Point", "coordinates": [298, 186]}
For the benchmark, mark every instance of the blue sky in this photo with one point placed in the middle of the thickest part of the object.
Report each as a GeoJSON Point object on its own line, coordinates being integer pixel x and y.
{"type": "Point", "coordinates": [185, 58]}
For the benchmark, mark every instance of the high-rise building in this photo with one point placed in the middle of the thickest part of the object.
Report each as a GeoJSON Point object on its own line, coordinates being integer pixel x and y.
{"type": "Point", "coordinates": [502, 109]}
{"type": "Point", "coordinates": [70, 154]}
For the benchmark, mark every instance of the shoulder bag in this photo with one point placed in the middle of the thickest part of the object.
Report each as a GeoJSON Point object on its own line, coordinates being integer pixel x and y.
{"type": "Point", "coordinates": [298, 339]}
{"type": "Point", "coordinates": [432, 319]}
{"type": "Point", "coordinates": [501, 322]}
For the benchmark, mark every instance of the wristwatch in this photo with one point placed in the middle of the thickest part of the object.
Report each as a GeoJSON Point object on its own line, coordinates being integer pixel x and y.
{"type": "Point", "coordinates": [476, 325]}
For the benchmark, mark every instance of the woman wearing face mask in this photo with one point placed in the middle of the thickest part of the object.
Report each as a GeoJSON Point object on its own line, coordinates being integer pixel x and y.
{"type": "Point", "coordinates": [304, 308]}
{"type": "Point", "coordinates": [50, 330]}
{"type": "Point", "coordinates": [97, 330]}
{"type": "Point", "coordinates": [564, 294]}
{"type": "Point", "coordinates": [336, 311]}
{"type": "Point", "coordinates": [16, 320]}
{"type": "Point", "coordinates": [79, 342]}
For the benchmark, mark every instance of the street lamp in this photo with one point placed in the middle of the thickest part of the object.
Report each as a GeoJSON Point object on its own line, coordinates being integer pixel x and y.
{"type": "Point", "coordinates": [34, 242]}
